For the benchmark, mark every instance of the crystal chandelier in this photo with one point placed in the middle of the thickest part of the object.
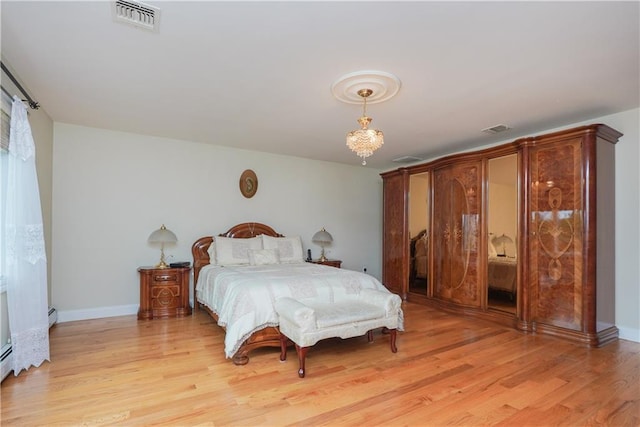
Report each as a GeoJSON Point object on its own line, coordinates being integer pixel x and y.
{"type": "Point", "coordinates": [365, 141]}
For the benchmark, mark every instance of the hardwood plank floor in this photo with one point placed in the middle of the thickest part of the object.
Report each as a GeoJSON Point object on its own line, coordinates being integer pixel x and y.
{"type": "Point", "coordinates": [449, 370]}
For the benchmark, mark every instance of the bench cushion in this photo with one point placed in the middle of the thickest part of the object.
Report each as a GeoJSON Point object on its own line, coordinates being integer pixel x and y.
{"type": "Point", "coordinates": [328, 314]}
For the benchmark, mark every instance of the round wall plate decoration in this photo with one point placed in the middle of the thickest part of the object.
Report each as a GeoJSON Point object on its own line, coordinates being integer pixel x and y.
{"type": "Point", "coordinates": [248, 183]}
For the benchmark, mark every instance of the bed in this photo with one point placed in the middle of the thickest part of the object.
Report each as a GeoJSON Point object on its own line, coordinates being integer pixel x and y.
{"type": "Point", "coordinates": [252, 266]}
{"type": "Point", "coordinates": [502, 269]}
{"type": "Point", "coordinates": [502, 274]}
{"type": "Point", "coordinates": [419, 255]}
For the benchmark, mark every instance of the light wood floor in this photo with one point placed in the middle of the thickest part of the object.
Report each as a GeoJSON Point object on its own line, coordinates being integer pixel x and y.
{"type": "Point", "coordinates": [448, 371]}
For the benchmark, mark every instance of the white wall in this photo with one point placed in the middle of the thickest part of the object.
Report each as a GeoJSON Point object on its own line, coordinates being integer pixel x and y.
{"type": "Point", "coordinates": [627, 222]}
{"type": "Point", "coordinates": [503, 216]}
{"type": "Point", "coordinates": [112, 189]}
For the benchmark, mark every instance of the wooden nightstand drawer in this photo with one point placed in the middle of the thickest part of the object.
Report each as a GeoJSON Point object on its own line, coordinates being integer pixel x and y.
{"type": "Point", "coordinates": [167, 279]}
{"type": "Point", "coordinates": [164, 292]}
{"type": "Point", "coordinates": [330, 262]}
{"type": "Point", "coordinates": [166, 296]}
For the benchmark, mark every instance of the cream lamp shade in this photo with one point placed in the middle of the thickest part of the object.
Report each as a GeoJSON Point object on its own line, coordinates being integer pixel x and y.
{"type": "Point", "coordinates": [162, 236]}
{"type": "Point", "coordinates": [322, 238]}
{"type": "Point", "coordinates": [502, 240]}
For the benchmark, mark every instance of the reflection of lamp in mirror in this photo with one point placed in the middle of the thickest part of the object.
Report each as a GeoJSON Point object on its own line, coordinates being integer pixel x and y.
{"type": "Point", "coordinates": [162, 235]}
{"type": "Point", "coordinates": [502, 240]}
{"type": "Point", "coordinates": [322, 238]}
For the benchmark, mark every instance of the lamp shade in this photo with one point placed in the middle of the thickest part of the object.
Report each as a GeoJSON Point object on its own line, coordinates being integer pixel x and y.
{"type": "Point", "coordinates": [162, 235]}
{"type": "Point", "coordinates": [502, 240]}
{"type": "Point", "coordinates": [322, 237]}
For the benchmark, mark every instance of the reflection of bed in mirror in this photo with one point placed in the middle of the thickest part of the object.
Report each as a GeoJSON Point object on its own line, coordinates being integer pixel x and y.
{"type": "Point", "coordinates": [502, 274]}
{"type": "Point", "coordinates": [502, 268]}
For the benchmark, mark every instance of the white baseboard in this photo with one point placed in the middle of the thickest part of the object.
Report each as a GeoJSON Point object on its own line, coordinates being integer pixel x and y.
{"type": "Point", "coordinates": [96, 313]}
{"type": "Point", "coordinates": [53, 316]}
{"type": "Point", "coordinates": [629, 334]}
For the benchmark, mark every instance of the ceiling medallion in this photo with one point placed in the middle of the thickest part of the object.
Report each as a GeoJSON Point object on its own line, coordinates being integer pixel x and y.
{"type": "Point", "coordinates": [383, 86]}
{"type": "Point", "coordinates": [366, 87]}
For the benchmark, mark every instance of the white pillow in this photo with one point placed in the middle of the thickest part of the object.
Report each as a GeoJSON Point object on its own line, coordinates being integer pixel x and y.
{"type": "Point", "coordinates": [263, 256]}
{"type": "Point", "coordinates": [289, 248]}
{"type": "Point", "coordinates": [211, 250]}
{"type": "Point", "coordinates": [492, 250]}
{"type": "Point", "coordinates": [235, 251]}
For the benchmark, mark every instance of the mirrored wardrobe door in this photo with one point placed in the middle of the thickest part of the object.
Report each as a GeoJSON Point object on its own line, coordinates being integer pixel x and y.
{"type": "Point", "coordinates": [502, 223]}
{"type": "Point", "coordinates": [419, 233]}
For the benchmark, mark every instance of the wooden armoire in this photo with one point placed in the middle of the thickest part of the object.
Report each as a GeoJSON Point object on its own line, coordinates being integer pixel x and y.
{"type": "Point", "coordinates": [565, 234]}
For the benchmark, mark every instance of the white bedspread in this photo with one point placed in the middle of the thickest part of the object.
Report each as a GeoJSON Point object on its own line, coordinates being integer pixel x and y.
{"type": "Point", "coordinates": [502, 273]}
{"type": "Point", "coordinates": [243, 296]}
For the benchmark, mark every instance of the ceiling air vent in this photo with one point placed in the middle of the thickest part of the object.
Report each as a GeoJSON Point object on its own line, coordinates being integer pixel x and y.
{"type": "Point", "coordinates": [496, 129]}
{"type": "Point", "coordinates": [406, 159]}
{"type": "Point", "coordinates": [137, 14]}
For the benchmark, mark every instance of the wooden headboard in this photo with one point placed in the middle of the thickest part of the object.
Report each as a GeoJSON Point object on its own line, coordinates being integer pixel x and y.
{"type": "Point", "coordinates": [240, 231]}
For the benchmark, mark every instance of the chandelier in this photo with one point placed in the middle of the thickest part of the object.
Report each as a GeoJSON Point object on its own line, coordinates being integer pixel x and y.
{"type": "Point", "coordinates": [364, 141]}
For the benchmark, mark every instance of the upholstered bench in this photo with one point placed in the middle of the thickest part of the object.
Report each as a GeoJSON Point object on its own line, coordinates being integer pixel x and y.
{"type": "Point", "coordinates": [305, 322]}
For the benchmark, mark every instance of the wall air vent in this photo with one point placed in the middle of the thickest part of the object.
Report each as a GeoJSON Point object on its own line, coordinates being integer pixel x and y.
{"type": "Point", "coordinates": [496, 129]}
{"type": "Point", "coordinates": [406, 159]}
{"type": "Point", "coordinates": [137, 14]}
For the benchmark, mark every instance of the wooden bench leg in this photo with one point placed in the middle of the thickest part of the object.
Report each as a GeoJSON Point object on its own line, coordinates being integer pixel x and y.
{"type": "Point", "coordinates": [392, 337]}
{"type": "Point", "coordinates": [283, 347]}
{"type": "Point", "coordinates": [302, 354]}
{"type": "Point", "coordinates": [302, 351]}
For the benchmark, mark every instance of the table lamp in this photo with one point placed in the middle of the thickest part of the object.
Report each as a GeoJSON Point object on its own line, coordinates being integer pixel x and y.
{"type": "Point", "coordinates": [162, 235]}
{"type": "Point", "coordinates": [322, 238]}
{"type": "Point", "coordinates": [502, 240]}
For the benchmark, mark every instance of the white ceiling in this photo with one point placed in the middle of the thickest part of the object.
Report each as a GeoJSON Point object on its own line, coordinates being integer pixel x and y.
{"type": "Point", "coordinates": [258, 75]}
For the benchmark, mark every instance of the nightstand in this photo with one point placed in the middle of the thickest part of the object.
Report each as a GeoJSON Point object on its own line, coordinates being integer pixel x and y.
{"type": "Point", "coordinates": [164, 292]}
{"type": "Point", "coordinates": [330, 262]}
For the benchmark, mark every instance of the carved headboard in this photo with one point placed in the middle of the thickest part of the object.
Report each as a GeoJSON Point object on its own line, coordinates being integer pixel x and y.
{"type": "Point", "coordinates": [240, 231]}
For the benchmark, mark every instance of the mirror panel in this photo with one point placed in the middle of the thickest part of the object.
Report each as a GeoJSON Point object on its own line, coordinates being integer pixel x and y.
{"type": "Point", "coordinates": [419, 232]}
{"type": "Point", "coordinates": [502, 222]}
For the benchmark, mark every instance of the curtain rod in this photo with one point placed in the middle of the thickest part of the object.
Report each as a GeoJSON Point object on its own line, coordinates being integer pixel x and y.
{"type": "Point", "coordinates": [33, 104]}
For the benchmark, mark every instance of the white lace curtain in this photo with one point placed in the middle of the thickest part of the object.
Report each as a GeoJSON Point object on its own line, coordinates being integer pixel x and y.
{"type": "Point", "coordinates": [25, 268]}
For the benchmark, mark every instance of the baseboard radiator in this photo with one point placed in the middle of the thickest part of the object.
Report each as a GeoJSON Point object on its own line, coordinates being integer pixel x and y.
{"type": "Point", "coordinates": [5, 351]}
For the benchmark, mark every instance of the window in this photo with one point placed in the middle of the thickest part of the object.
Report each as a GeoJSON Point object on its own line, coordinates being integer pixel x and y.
{"type": "Point", "coordinates": [5, 124]}
{"type": "Point", "coordinates": [5, 111]}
